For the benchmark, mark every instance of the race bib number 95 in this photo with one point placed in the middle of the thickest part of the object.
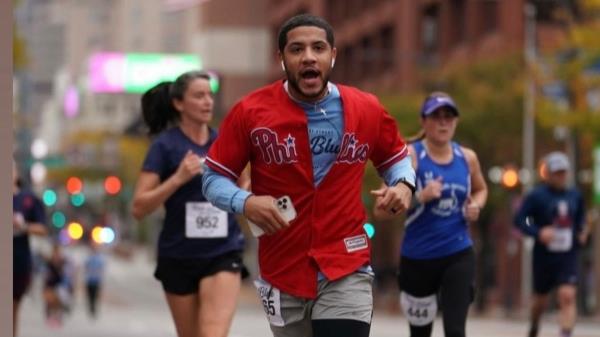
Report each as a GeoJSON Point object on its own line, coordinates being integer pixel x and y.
{"type": "Point", "coordinates": [271, 301]}
{"type": "Point", "coordinates": [203, 220]}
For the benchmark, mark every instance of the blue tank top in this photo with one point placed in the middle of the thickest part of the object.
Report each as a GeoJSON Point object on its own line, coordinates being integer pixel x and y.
{"type": "Point", "coordinates": [438, 228]}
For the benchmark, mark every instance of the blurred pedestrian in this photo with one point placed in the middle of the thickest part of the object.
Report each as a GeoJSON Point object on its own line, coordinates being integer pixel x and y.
{"type": "Point", "coordinates": [308, 141]}
{"type": "Point", "coordinates": [57, 295]}
{"type": "Point", "coordinates": [437, 263]}
{"type": "Point", "coordinates": [553, 214]}
{"type": "Point", "coordinates": [29, 218]}
{"type": "Point", "coordinates": [94, 267]}
{"type": "Point", "coordinates": [200, 246]}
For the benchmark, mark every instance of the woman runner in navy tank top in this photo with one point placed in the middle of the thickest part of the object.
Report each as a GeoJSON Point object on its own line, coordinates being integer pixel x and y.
{"type": "Point", "coordinates": [199, 248]}
{"type": "Point", "coordinates": [437, 264]}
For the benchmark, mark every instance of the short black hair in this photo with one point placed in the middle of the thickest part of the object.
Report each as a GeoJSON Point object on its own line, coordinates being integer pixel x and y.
{"type": "Point", "coordinates": [304, 20]}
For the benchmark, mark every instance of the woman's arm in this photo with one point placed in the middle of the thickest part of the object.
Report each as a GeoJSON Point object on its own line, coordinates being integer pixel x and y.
{"type": "Point", "coordinates": [479, 191]}
{"type": "Point", "coordinates": [151, 194]}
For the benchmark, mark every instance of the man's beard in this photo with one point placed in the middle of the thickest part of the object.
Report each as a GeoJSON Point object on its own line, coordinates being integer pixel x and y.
{"type": "Point", "coordinates": [293, 82]}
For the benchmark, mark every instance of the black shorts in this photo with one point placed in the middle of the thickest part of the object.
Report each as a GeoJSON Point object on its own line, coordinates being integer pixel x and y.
{"type": "Point", "coordinates": [424, 277]}
{"type": "Point", "coordinates": [551, 273]}
{"type": "Point", "coordinates": [21, 282]}
{"type": "Point", "coordinates": [182, 276]}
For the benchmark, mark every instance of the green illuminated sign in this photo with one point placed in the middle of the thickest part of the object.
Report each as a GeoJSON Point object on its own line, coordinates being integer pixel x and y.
{"type": "Point", "coordinates": [142, 71]}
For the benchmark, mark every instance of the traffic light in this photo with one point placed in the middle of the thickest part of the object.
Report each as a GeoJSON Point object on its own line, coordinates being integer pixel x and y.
{"type": "Point", "coordinates": [112, 185]}
{"type": "Point", "coordinates": [75, 230]}
{"type": "Point", "coordinates": [49, 197]}
{"type": "Point", "coordinates": [510, 178]}
{"type": "Point", "coordinates": [97, 235]}
{"type": "Point", "coordinates": [103, 235]}
{"type": "Point", "coordinates": [108, 235]}
{"type": "Point", "coordinates": [58, 219]}
{"type": "Point", "coordinates": [74, 185]}
{"type": "Point", "coordinates": [77, 199]}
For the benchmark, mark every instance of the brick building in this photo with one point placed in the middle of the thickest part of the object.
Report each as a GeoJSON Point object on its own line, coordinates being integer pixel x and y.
{"type": "Point", "coordinates": [385, 45]}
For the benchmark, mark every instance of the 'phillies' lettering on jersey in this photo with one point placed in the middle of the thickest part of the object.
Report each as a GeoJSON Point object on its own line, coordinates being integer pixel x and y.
{"type": "Point", "coordinates": [272, 150]}
{"type": "Point", "coordinates": [351, 151]}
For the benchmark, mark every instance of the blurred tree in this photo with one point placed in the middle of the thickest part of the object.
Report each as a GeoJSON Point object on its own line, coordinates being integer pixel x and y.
{"type": "Point", "coordinates": [575, 64]}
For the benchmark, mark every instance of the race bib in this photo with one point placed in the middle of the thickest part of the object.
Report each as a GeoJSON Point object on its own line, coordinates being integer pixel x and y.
{"type": "Point", "coordinates": [270, 298]}
{"type": "Point", "coordinates": [419, 311]}
{"type": "Point", "coordinates": [563, 240]}
{"type": "Point", "coordinates": [203, 220]}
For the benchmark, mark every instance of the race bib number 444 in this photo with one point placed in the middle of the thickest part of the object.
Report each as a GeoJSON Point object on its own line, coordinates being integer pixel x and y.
{"type": "Point", "coordinates": [419, 311]}
{"type": "Point", "coordinates": [203, 220]}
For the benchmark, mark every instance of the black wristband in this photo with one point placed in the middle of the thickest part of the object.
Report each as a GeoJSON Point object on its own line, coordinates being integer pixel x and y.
{"type": "Point", "coordinates": [410, 186]}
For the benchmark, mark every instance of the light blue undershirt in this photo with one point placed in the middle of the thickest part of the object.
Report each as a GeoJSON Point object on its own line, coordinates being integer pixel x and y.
{"type": "Point", "coordinates": [325, 125]}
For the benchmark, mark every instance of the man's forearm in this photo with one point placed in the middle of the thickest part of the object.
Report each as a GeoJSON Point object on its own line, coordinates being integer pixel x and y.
{"type": "Point", "coordinates": [222, 192]}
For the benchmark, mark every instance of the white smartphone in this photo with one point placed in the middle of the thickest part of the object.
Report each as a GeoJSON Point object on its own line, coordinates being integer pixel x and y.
{"type": "Point", "coordinates": [286, 209]}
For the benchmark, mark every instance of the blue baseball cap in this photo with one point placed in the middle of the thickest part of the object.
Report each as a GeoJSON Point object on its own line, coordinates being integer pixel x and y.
{"type": "Point", "coordinates": [434, 102]}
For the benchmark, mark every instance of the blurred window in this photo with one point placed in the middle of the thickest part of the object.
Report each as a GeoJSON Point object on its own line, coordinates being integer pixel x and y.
{"type": "Point", "coordinates": [490, 16]}
{"type": "Point", "coordinates": [387, 36]}
{"type": "Point", "coordinates": [368, 56]}
{"type": "Point", "coordinates": [459, 19]}
{"type": "Point", "coordinates": [430, 33]}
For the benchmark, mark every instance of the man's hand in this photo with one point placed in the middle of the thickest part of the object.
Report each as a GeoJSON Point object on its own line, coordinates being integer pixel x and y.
{"type": "Point", "coordinates": [19, 224]}
{"type": "Point", "coordinates": [395, 199]}
{"type": "Point", "coordinates": [546, 234]}
{"type": "Point", "coordinates": [261, 210]}
{"type": "Point", "coordinates": [584, 236]}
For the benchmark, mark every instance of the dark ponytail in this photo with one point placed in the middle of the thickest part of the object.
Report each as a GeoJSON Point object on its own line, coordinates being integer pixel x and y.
{"type": "Point", "coordinates": [158, 110]}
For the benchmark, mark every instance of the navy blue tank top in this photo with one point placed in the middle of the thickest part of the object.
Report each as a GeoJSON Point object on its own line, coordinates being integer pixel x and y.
{"type": "Point", "coordinates": [438, 228]}
{"type": "Point", "coordinates": [163, 158]}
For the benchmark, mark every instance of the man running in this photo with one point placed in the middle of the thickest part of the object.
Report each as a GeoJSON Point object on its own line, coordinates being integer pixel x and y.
{"type": "Point", "coordinates": [553, 214]}
{"type": "Point", "coordinates": [308, 141]}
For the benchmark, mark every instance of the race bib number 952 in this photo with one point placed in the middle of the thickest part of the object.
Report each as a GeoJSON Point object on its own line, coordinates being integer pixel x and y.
{"type": "Point", "coordinates": [203, 220]}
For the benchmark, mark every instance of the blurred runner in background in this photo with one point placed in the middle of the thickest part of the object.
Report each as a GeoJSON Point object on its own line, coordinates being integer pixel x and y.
{"type": "Point", "coordinates": [29, 218]}
{"type": "Point", "coordinates": [94, 267]}
{"type": "Point", "coordinates": [553, 214]}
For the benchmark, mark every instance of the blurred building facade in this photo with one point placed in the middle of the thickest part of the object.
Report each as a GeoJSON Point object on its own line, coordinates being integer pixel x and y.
{"type": "Point", "coordinates": [233, 39]}
{"type": "Point", "coordinates": [61, 35]}
{"type": "Point", "coordinates": [386, 45]}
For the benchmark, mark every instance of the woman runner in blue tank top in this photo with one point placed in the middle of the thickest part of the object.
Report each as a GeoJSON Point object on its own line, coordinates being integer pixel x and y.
{"type": "Point", "coordinates": [199, 248]}
{"type": "Point", "coordinates": [437, 261]}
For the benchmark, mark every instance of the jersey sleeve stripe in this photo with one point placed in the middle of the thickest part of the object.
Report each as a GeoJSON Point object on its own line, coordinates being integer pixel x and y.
{"type": "Point", "coordinates": [220, 168]}
{"type": "Point", "coordinates": [398, 156]}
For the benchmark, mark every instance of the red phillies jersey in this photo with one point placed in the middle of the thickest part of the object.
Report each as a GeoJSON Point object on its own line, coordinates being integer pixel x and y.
{"type": "Point", "coordinates": [269, 130]}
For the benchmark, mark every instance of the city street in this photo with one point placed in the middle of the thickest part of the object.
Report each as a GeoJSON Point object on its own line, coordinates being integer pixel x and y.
{"type": "Point", "coordinates": [133, 306]}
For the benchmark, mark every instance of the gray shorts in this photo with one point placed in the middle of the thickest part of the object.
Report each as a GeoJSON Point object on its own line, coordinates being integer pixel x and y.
{"type": "Point", "coordinates": [350, 297]}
